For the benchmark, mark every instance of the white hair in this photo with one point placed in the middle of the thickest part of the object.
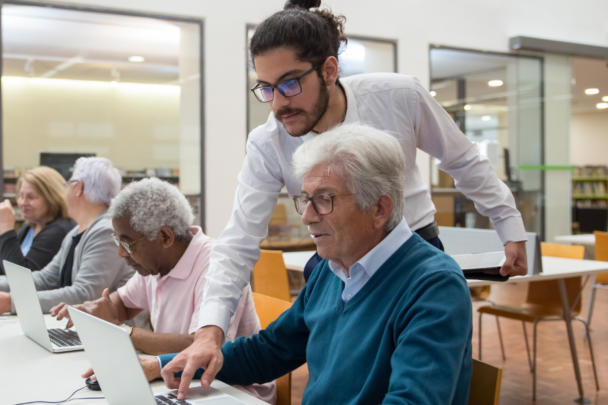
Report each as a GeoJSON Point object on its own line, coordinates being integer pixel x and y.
{"type": "Point", "coordinates": [100, 178]}
{"type": "Point", "coordinates": [372, 162]}
{"type": "Point", "coordinates": [151, 204]}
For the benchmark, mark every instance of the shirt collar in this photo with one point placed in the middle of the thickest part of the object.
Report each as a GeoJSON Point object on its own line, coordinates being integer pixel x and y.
{"type": "Point", "coordinates": [184, 266]}
{"type": "Point", "coordinates": [376, 257]}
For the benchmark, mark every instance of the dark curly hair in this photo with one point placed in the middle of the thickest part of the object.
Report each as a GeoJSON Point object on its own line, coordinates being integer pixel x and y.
{"type": "Point", "coordinates": [312, 33]}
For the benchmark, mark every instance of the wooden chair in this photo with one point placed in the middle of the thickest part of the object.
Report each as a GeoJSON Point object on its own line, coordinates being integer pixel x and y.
{"type": "Point", "coordinates": [601, 280]}
{"type": "Point", "coordinates": [543, 303]}
{"type": "Point", "coordinates": [270, 275]}
{"type": "Point", "coordinates": [269, 309]}
{"type": "Point", "coordinates": [485, 384]}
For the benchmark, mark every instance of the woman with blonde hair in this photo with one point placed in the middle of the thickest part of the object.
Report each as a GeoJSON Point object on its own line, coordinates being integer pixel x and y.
{"type": "Point", "coordinates": [41, 198]}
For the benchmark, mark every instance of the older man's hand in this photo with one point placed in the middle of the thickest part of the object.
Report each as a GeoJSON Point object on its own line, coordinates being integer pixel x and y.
{"type": "Point", "coordinates": [205, 352]}
{"type": "Point", "coordinates": [101, 308]}
{"type": "Point", "coordinates": [516, 262]}
{"type": "Point", "coordinates": [5, 303]}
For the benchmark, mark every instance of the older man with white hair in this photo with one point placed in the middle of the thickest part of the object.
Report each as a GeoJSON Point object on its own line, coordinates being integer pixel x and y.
{"type": "Point", "coordinates": [153, 231]}
{"type": "Point", "coordinates": [85, 264]}
{"type": "Point", "coordinates": [385, 317]}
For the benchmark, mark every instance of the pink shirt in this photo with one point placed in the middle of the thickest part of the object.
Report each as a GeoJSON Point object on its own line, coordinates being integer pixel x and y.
{"type": "Point", "coordinates": [175, 300]}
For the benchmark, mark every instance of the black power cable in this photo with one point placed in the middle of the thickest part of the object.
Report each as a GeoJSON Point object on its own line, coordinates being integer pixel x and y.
{"type": "Point", "coordinates": [61, 402]}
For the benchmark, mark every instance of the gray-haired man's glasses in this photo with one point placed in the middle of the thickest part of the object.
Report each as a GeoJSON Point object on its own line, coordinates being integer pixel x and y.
{"type": "Point", "coordinates": [125, 245]}
{"type": "Point", "coordinates": [323, 204]}
{"type": "Point", "coordinates": [73, 181]}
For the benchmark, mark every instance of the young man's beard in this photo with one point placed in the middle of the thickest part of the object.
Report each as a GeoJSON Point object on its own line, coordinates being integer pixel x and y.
{"type": "Point", "coordinates": [312, 118]}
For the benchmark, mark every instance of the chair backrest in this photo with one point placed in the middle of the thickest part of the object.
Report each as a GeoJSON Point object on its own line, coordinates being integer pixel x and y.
{"type": "Point", "coordinates": [279, 216]}
{"type": "Point", "coordinates": [601, 254]}
{"type": "Point", "coordinates": [270, 275]}
{"type": "Point", "coordinates": [485, 384]}
{"type": "Point", "coordinates": [269, 309]}
{"type": "Point", "coordinates": [546, 293]}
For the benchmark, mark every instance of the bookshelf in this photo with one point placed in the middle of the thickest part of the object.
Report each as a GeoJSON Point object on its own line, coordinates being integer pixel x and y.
{"type": "Point", "coordinates": [589, 198]}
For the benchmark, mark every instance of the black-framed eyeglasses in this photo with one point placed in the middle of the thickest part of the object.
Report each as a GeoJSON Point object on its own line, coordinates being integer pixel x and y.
{"type": "Point", "coordinates": [125, 245]}
{"type": "Point", "coordinates": [288, 88]}
{"type": "Point", "coordinates": [323, 204]}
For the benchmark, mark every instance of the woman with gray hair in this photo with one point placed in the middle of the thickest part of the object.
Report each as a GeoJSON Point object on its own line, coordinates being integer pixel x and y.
{"type": "Point", "coordinates": [87, 261]}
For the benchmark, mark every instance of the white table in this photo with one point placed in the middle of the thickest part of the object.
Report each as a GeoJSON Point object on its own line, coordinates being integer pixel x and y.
{"type": "Point", "coordinates": [29, 372]}
{"type": "Point", "coordinates": [585, 239]}
{"type": "Point", "coordinates": [553, 269]}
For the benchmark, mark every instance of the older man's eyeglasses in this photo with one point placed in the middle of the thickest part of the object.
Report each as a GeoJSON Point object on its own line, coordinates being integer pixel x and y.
{"type": "Point", "coordinates": [323, 204]}
{"type": "Point", "coordinates": [73, 181]}
{"type": "Point", "coordinates": [125, 245]}
{"type": "Point", "coordinates": [289, 88]}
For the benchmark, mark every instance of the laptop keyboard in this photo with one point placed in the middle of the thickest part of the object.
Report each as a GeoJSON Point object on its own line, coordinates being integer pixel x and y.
{"type": "Point", "coordinates": [170, 399]}
{"type": "Point", "coordinates": [64, 337]}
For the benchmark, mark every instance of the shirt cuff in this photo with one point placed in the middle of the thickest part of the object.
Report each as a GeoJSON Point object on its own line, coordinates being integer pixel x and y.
{"type": "Point", "coordinates": [215, 315]}
{"type": "Point", "coordinates": [511, 230]}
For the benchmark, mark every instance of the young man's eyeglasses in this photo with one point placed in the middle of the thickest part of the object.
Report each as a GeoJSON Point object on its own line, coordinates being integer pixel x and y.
{"type": "Point", "coordinates": [323, 204]}
{"type": "Point", "coordinates": [289, 88]}
{"type": "Point", "coordinates": [125, 245]}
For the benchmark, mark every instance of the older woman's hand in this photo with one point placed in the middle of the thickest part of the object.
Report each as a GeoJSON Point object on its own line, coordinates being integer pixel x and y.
{"type": "Point", "coordinates": [7, 217]}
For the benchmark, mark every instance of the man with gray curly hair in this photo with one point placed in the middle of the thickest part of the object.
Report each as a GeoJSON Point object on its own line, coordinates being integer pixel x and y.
{"type": "Point", "coordinates": [153, 231]}
{"type": "Point", "coordinates": [384, 313]}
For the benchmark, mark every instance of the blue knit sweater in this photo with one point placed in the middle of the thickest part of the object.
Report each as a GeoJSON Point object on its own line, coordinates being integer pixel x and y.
{"type": "Point", "coordinates": [405, 338]}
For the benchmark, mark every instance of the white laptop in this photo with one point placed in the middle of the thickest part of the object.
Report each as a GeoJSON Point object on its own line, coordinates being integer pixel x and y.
{"type": "Point", "coordinates": [117, 368]}
{"type": "Point", "coordinates": [23, 292]}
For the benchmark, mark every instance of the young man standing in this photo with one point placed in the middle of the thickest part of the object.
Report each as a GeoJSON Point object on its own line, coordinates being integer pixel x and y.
{"type": "Point", "coordinates": [295, 54]}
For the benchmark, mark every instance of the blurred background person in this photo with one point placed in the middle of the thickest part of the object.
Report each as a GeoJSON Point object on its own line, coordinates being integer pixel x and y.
{"type": "Point", "coordinates": [41, 199]}
{"type": "Point", "coordinates": [87, 262]}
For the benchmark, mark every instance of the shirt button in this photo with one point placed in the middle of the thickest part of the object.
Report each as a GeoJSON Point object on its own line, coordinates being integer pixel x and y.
{"type": "Point", "coordinates": [349, 296]}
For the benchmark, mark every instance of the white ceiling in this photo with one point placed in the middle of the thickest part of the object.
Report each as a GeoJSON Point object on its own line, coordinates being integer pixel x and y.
{"type": "Point", "coordinates": [92, 44]}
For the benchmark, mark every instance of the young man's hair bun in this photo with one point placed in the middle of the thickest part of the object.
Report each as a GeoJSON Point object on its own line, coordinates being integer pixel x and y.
{"type": "Point", "coordinates": [305, 4]}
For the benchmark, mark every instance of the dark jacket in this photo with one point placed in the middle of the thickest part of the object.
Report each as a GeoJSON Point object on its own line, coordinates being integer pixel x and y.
{"type": "Point", "coordinates": [44, 247]}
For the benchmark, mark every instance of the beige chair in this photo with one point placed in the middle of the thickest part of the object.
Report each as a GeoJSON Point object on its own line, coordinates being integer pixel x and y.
{"type": "Point", "coordinates": [269, 275]}
{"type": "Point", "coordinates": [601, 280]}
{"type": "Point", "coordinates": [544, 304]}
{"type": "Point", "coordinates": [269, 309]}
{"type": "Point", "coordinates": [485, 384]}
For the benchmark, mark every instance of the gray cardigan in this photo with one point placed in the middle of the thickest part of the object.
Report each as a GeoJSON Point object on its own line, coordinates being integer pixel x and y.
{"type": "Point", "coordinates": [96, 266]}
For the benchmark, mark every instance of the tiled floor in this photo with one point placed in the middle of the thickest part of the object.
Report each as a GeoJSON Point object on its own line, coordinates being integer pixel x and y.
{"type": "Point", "coordinates": [555, 380]}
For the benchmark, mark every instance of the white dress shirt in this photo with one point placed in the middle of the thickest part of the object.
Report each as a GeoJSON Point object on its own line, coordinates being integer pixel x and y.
{"type": "Point", "coordinates": [395, 103]}
{"type": "Point", "coordinates": [366, 267]}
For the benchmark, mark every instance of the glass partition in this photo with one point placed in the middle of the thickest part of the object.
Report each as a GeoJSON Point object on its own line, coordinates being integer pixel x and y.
{"type": "Point", "coordinates": [101, 84]}
{"type": "Point", "coordinates": [496, 100]}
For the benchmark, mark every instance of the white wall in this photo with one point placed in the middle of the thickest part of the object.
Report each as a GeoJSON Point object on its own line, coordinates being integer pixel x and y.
{"type": "Point", "coordinates": [589, 138]}
{"type": "Point", "coordinates": [478, 24]}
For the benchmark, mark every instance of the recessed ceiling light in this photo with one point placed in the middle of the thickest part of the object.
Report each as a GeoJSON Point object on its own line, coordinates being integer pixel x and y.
{"type": "Point", "coordinates": [486, 118]}
{"type": "Point", "coordinates": [495, 83]}
{"type": "Point", "coordinates": [136, 59]}
{"type": "Point", "coordinates": [601, 106]}
{"type": "Point", "coordinates": [433, 93]}
{"type": "Point", "coordinates": [591, 91]}
{"type": "Point", "coordinates": [605, 98]}
{"type": "Point", "coordinates": [467, 107]}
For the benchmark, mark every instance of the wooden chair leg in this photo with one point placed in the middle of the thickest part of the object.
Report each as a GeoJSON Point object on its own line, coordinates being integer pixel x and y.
{"type": "Point", "coordinates": [480, 335]}
{"type": "Point", "coordinates": [502, 348]}
{"type": "Point", "coordinates": [527, 347]}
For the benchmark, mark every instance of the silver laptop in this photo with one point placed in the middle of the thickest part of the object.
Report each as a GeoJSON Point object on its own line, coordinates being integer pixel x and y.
{"type": "Point", "coordinates": [117, 368]}
{"type": "Point", "coordinates": [23, 292]}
